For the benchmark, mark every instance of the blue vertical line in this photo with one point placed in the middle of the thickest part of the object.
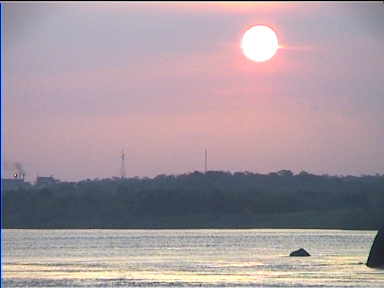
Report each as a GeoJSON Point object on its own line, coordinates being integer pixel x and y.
{"type": "Point", "coordinates": [2, 135]}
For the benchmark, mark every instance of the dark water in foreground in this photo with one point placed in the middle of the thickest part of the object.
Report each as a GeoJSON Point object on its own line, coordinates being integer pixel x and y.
{"type": "Point", "coordinates": [187, 258]}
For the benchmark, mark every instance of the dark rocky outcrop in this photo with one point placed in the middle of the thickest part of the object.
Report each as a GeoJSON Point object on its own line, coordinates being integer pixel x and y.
{"type": "Point", "coordinates": [299, 253]}
{"type": "Point", "coordinates": [376, 255]}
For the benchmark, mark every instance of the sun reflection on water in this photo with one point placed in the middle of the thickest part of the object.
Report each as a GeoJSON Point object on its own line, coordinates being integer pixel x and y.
{"type": "Point", "coordinates": [185, 259]}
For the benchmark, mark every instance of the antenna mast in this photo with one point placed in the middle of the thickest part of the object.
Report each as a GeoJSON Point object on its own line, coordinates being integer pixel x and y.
{"type": "Point", "coordinates": [122, 168]}
{"type": "Point", "coordinates": [205, 160]}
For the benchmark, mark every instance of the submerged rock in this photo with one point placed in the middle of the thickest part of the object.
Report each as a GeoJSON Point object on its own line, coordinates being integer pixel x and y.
{"type": "Point", "coordinates": [376, 255]}
{"type": "Point", "coordinates": [299, 253]}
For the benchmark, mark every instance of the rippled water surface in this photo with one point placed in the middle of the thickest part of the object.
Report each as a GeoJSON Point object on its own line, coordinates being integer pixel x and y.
{"type": "Point", "coordinates": [187, 258]}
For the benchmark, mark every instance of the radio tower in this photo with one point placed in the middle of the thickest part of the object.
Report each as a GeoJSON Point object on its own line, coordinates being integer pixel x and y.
{"type": "Point", "coordinates": [122, 168]}
{"type": "Point", "coordinates": [205, 160]}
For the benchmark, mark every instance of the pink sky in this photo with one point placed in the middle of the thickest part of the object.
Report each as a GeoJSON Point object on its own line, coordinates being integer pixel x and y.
{"type": "Point", "coordinates": [166, 81]}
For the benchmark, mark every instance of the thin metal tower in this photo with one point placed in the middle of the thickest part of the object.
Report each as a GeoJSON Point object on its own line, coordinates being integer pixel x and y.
{"type": "Point", "coordinates": [205, 160]}
{"type": "Point", "coordinates": [122, 167]}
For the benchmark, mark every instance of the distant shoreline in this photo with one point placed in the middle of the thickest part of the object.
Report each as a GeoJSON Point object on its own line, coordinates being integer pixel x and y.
{"type": "Point", "coordinates": [211, 200]}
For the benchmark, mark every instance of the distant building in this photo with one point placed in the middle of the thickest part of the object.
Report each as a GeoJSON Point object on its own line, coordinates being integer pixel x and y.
{"type": "Point", "coordinates": [42, 180]}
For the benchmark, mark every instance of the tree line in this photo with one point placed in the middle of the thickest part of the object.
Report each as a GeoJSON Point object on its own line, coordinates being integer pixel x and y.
{"type": "Point", "coordinates": [215, 199]}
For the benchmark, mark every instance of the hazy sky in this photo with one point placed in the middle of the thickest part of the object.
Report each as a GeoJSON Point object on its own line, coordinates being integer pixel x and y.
{"type": "Point", "coordinates": [164, 81]}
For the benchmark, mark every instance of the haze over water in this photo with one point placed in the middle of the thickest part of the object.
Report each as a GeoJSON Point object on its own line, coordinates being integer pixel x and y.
{"type": "Point", "coordinates": [188, 258]}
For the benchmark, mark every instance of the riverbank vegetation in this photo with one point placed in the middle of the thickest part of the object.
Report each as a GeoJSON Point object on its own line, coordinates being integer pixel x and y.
{"type": "Point", "coordinates": [214, 199]}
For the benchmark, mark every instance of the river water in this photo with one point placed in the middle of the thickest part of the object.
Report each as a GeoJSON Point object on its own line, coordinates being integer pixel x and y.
{"type": "Point", "coordinates": [187, 258]}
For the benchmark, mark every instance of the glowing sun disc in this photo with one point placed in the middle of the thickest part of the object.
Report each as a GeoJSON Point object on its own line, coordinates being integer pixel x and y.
{"type": "Point", "coordinates": [259, 43]}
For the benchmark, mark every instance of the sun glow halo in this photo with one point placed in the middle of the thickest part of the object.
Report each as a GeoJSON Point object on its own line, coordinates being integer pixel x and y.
{"type": "Point", "coordinates": [259, 43]}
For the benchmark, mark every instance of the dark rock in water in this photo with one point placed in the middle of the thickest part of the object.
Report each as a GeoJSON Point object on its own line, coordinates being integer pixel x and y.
{"type": "Point", "coordinates": [376, 255]}
{"type": "Point", "coordinates": [300, 253]}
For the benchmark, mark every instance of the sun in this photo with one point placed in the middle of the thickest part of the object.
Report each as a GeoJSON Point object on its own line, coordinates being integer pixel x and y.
{"type": "Point", "coordinates": [259, 43]}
